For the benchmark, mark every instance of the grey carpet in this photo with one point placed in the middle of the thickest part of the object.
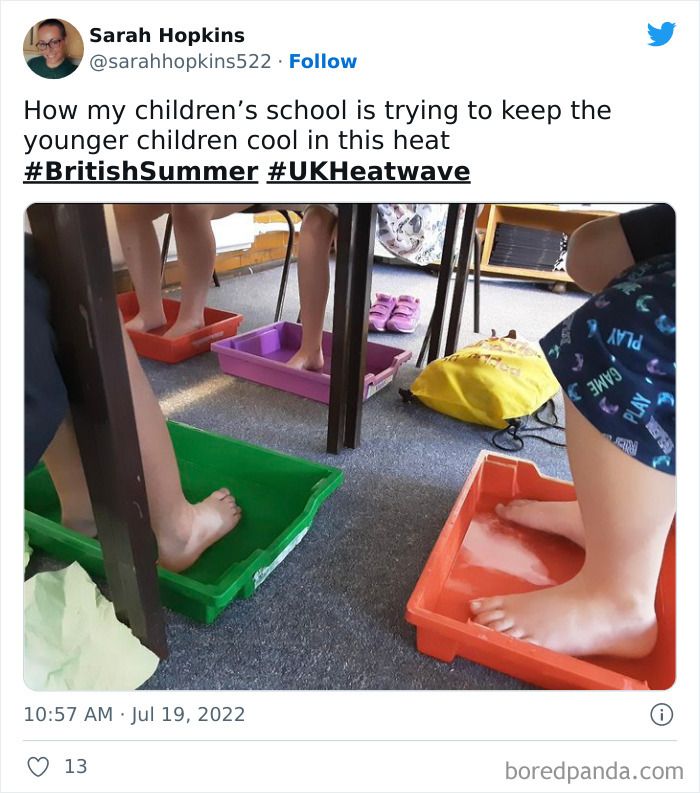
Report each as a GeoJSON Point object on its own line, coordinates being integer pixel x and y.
{"type": "Point", "coordinates": [332, 615]}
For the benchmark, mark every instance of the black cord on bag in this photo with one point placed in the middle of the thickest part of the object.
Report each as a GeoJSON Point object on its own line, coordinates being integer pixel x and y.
{"type": "Point", "coordinates": [554, 422]}
{"type": "Point", "coordinates": [517, 430]}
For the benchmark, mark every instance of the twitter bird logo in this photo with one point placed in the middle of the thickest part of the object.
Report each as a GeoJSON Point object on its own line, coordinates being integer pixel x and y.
{"type": "Point", "coordinates": [662, 35]}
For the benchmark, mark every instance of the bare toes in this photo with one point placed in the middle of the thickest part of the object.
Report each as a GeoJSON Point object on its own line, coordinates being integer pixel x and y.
{"type": "Point", "coordinates": [489, 604]}
{"type": "Point", "coordinates": [502, 625]}
{"type": "Point", "coordinates": [515, 633]}
{"type": "Point", "coordinates": [487, 617]}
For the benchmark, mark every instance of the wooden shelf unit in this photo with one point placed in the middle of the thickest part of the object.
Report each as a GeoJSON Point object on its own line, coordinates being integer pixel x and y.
{"type": "Point", "coordinates": [537, 216]}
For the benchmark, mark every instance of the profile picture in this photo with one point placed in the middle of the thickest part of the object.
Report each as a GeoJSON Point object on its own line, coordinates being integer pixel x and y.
{"type": "Point", "coordinates": [53, 48]}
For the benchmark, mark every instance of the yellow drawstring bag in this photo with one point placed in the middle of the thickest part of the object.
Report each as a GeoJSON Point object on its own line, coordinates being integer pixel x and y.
{"type": "Point", "coordinates": [488, 382]}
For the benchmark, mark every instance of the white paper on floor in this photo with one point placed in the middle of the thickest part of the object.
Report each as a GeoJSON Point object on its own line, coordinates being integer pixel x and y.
{"type": "Point", "coordinates": [73, 640]}
{"type": "Point", "coordinates": [27, 550]}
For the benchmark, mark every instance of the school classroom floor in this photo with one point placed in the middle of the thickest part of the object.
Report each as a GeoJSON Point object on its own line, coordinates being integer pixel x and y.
{"type": "Point", "coordinates": [331, 616]}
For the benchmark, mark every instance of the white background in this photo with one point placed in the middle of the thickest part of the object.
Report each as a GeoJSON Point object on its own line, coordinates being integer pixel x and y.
{"type": "Point", "coordinates": [450, 52]}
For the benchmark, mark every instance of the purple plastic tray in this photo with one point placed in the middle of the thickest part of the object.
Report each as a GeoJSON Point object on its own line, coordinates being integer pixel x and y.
{"type": "Point", "coordinates": [261, 356]}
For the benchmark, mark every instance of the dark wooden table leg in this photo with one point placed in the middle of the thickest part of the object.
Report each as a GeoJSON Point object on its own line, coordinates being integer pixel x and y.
{"type": "Point", "coordinates": [461, 278]}
{"type": "Point", "coordinates": [337, 407]}
{"type": "Point", "coordinates": [443, 282]}
{"type": "Point", "coordinates": [73, 252]}
{"type": "Point", "coordinates": [285, 269]}
{"type": "Point", "coordinates": [426, 342]}
{"type": "Point", "coordinates": [360, 285]}
{"type": "Point", "coordinates": [478, 250]}
{"type": "Point", "coordinates": [165, 247]}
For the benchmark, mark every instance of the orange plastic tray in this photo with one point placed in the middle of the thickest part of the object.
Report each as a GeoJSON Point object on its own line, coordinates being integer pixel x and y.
{"type": "Point", "coordinates": [479, 555]}
{"type": "Point", "coordinates": [219, 325]}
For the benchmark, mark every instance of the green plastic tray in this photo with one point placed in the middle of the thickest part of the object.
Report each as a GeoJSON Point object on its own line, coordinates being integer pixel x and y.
{"type": "Point", "coordinates": [279, 496]}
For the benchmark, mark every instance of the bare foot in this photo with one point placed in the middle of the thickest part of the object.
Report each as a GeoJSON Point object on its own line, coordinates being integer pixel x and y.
{"type": "Point", "coordinates": [183, 326]}
{"type": "Point", "coordinates": [199, 526]}
{"type": "Point", "coordinates": [313, 361]}
{"type": "Point", "coordinates": [142, 324]}
{"type": "Point", "coordinates": [554, 517]}
{"type": "Point", "coordinates": [573, 618]}
{"type": "Point", "coordinates": [84, 526]}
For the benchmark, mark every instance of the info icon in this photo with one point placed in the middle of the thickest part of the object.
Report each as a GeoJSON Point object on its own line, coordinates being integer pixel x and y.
{"type": "Point", "coordinates": [661, 714]}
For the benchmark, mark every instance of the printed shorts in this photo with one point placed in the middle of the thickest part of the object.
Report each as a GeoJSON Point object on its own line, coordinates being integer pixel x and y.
{"type": "Point", "coordinates": [615, 358]}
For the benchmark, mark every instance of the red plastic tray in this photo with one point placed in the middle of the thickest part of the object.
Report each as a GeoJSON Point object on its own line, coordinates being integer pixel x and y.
{"type": "Point", "coordinates": [219, 325]}
{"type": "Point", "coordinates": [478, 555]}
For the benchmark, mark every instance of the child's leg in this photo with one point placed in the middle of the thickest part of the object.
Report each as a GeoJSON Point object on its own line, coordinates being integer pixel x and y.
{"type": "Point", "coordinates": [196, 250]}
{"type": "Point", "coordinates": [62, 458]}
{"type": "Point", "coordinates": [598, 252]}
{"type": "Point", "coordinates": [315, 238]}
{"type": "Point", "coordinates": [141, 250]}
{"type": "Point", "coordinates": [608, 607]}
{"type": "Point", "coordinates": [183, 530]}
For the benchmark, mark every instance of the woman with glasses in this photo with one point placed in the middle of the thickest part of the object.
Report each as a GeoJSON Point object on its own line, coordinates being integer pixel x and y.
{"type": "Point", "coordinates": [52, 63]}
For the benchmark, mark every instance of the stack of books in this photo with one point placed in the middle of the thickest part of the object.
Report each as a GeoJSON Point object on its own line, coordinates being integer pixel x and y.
{"type": "Point", "coordinates": [527, 247]}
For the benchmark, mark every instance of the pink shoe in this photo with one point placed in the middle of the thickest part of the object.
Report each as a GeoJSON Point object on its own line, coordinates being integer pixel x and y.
{"type": "Point", "coordinates": [405, 316]}
{"type": "Point", "coordinates": [380, 311]}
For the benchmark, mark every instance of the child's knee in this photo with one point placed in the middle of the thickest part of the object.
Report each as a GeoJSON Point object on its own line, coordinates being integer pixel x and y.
{"type": "Point", "coordinates": [125, 214]}
{"type": "Point", "coordinates": [586, 250]}
{"type": "Point", "coordinates": [579, 251]}
{"type": "Point", "coordinates": [318, 222]}
{"type": "Point", "coordinates": [597, 252]}
{"type": "Point", "coordinates": [192, 214]}
{"type": "Point", "coordinates": [129, 214]}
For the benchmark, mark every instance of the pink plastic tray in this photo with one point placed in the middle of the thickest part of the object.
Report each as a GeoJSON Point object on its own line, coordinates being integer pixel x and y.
{"type": "Point", "coordinates": [261, 356]}
{"type": "Point", "coordinates": [477, 554]}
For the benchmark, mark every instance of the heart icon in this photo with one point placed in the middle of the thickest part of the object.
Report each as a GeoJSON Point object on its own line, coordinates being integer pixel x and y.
{"type": "Point", "coordinates": [38, 765]}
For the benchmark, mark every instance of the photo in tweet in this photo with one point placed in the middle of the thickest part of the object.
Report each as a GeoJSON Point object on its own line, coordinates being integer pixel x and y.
{"type": "Point", "coordinates": [513, 582]}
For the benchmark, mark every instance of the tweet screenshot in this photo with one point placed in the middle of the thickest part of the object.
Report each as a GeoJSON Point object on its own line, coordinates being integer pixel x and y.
{"type": "Point", "coordinates": [310, 487]}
